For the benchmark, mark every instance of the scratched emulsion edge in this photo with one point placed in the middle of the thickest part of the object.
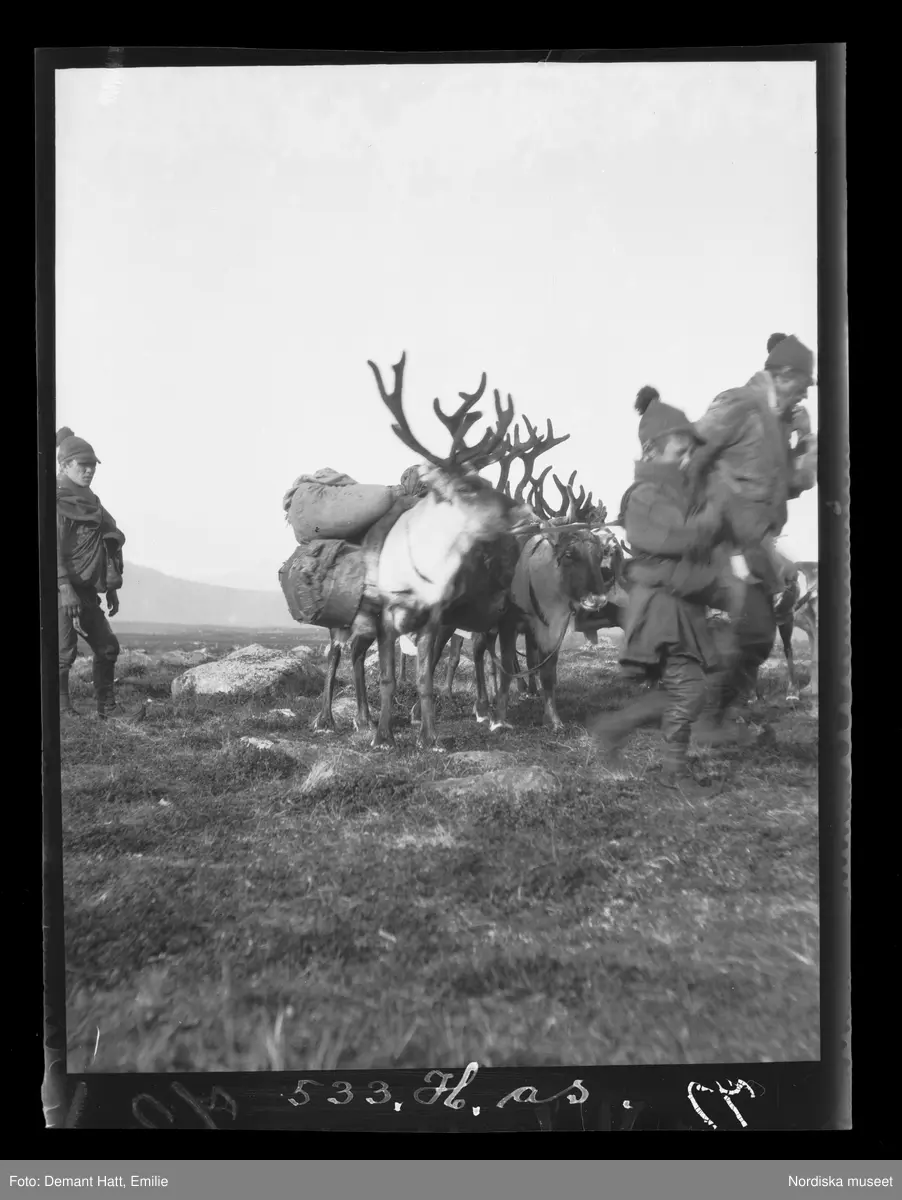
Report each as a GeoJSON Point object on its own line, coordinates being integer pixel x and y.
{"type": "Point", "coordinates": [835, 701]}
{"type": "Point", "coordinates": [54, 1089]}
{"type": "Point", "coordinates": [835, 231]}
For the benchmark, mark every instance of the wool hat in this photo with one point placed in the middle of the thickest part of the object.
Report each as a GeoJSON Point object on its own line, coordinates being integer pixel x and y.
{"type": "Point", "coordinates": [659, 420]}
{"type": "Point", "coordinates": [71, 447]}
{"type": "Point", "coordinates": [788, 352]}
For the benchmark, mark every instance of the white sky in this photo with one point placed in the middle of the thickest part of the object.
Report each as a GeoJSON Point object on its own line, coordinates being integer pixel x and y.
{"type": "Point", "coordinates": [233, 244]}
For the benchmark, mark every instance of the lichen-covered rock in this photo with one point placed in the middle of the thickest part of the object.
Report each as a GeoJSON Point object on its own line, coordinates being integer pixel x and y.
{"type": "Point", "coordinates": [252, 671]}
{"type": "Point", "coordinates": [129, 661]}
{"type": "Point", "coordinates": [510, 783]}
{"type": "Point", "coordinates": [486, 760]}
{"type": "Point", "coordinates": [185, 658]}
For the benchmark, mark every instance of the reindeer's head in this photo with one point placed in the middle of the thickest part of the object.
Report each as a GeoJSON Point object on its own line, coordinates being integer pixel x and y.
{"type": "Point", "coordinates": [579, 553]}
{"type": "Point", "coordinates": [454, 479]}
{"type": "Point", "coordinates": [612, 557]}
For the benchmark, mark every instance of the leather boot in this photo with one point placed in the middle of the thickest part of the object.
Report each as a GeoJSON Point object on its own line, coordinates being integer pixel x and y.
{"type": "Point", "coordinates": [108, 706]}
{"type": "Point", "coordinates": [676, 776]}
{"type": "Point", "coordinates": [610, 730]}
{"type": "Point", "coordinates": [713, 727]}
{"type": "Point", "coordinates": [67, 709]}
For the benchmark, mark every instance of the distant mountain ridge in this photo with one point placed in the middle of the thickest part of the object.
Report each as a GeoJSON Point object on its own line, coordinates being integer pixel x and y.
{"type": "Point", "coordinates": [149, 595]}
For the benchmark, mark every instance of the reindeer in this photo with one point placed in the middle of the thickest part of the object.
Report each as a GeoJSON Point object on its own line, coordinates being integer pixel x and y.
{"type": "Point", "coordinates": [559, 573]}
{"type": "Point", "coordinates": [483, 599]}
{"type": "Point", "coordinates": [797, 608]}
{"type": "Point", "coordinates": [414, 559]}
{"type": "Point", "coordinates": [611, 613]}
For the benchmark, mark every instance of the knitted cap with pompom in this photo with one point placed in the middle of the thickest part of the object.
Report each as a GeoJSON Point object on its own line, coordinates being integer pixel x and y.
{"type": "Point", "coordinates": [789, 353]}
{"type": "Point", "coordinates": [660, 420]}
{"type": "Point", "coordinates": [69, 446]}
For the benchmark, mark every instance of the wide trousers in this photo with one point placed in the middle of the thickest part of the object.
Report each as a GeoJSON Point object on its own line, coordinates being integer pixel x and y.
{"type": "Point", "coordinates": [674, 706]}
{"type": "Point", "coordinates": [100, 638]}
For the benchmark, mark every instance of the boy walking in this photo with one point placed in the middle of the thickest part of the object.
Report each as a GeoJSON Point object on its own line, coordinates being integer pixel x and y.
{"type": "Point", "coordinates": [666, 636]}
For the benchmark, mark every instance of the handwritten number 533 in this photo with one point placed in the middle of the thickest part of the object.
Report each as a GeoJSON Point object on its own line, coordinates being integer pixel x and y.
{"type": "Point", "coordinates": [345, 1096]}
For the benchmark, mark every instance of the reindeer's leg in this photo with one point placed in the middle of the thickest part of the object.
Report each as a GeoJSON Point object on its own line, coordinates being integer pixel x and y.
{"type": "Point", "coordinates": [440, 641]}
{"type": "Point", "coordinates": [383, 737]}
{"type": "Point", "coordinates": [480, 645]}
{"type": "Point", "coordinates": [786, 627]}
{"type": "Point", "coordinates": [453, 663]}
{"type": "Point", "coordinates": [444, 634]}
{"type": "Point", "coordinates": [507, 636]}
{"type": "Point", "coordinates": [548, 675]}
{"type": "Point", "coordinates": [426, 739]}
{"type": "Point", "coordinates": [324, 722]}
{"type": "Point", "coordinates": [363, 722]}
{"type": "Point", "coordinates": [808, 623]}
{"type": "Point", "coordinates": [532, 658]}
{"type": "Point", "coordinates": [491, 643]}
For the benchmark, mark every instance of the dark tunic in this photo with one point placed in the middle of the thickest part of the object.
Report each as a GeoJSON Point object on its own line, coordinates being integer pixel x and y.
{"type": "Point", "coordinates": [672, 573]}
{"type": "Point", "coordinates": [88, 543]}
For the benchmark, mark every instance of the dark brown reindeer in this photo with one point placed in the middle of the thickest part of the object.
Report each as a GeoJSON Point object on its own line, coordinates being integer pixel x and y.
{"type": "Point", "coordinates": [483, 598]}
{"type": "Point", "coordinates": [612, 612]}
{"type": "Point", "coordinates": [559, 574]}
{"type": "Point", "coordinates": [414, 559]}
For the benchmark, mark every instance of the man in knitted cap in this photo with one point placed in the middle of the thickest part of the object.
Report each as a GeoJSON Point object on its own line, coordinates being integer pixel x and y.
{"type": "Point", "coordinates": [89, 565]}
{"type": "Point", "coordinates": [747, 453]}
{"type": "Point", "coordinates": [749, 462]}
{"type": "Point", "coordinates": [666, 636]}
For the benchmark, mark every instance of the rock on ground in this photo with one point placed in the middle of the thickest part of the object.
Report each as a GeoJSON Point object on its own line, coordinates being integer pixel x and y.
{"type": "Point", "coordinates": [185, 658]}
{"type": "Point", "coordinates": [486, 759]}
{"type": "Point", "coordinates": [84, 665]}
{"type": "Point", "coordinates": [518, 783]}
{"type": "Point", "coordinates": [252, 671]}
{"type": "Point", "coordinates": [303, 754]}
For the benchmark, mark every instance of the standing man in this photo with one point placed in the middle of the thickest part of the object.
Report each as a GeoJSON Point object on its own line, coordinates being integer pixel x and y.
{"type": "Point", "coordinates": [748, 461]}
{"type": "Point", "coordinates": [89, 565]}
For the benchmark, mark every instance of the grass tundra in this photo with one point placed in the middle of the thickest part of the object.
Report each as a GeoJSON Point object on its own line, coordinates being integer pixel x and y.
{"type": "Point", "coordinates": [317, 905]}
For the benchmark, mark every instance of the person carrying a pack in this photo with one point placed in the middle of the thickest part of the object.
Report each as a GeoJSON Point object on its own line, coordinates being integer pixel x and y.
{"type": "Point", "coordinates": [89, 565]}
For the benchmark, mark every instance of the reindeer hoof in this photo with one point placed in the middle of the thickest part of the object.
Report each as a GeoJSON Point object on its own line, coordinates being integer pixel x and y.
{"type": "Point", "coordinates": [481, 717]}
{"type": "Point", "coordinates": [495, 725]}
{"type": "Point", "coordinates": [322, 728]}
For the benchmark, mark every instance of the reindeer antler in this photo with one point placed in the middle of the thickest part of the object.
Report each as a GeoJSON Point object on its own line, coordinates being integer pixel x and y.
{"type": "Point", "coordinates": [572, 510]}
{"type": "Point", "coordinates": [458, 423]}
{"type": "Point", "coordinates": [528, 450]}
{"type": "Point", "coordinates": [572, 505]}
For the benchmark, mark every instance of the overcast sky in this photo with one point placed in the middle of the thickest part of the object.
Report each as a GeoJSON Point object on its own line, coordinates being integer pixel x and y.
{"type": "Point", "coordinates": [234, 243]}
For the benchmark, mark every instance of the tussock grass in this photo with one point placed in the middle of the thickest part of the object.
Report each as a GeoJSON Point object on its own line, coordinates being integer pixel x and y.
{"type": "Point", "coordinates": [231, 908]}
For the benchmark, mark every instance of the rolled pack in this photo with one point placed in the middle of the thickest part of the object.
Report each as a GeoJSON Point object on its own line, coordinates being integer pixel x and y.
{"type": "Point", "coordinates": [323, 582]}
{"type": "Point", "coordinates": [328, 504]}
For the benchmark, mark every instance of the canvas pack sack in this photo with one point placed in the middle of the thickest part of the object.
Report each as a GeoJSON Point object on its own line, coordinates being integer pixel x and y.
{"type": "Point", "coordinates": [328, 504]}
{"type": "Point", "coordinates": [324, 582]}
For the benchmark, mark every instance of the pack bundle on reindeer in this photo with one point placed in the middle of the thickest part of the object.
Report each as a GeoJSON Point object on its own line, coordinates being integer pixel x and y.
{"type": "Point", "coordinates": [409, 560]}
